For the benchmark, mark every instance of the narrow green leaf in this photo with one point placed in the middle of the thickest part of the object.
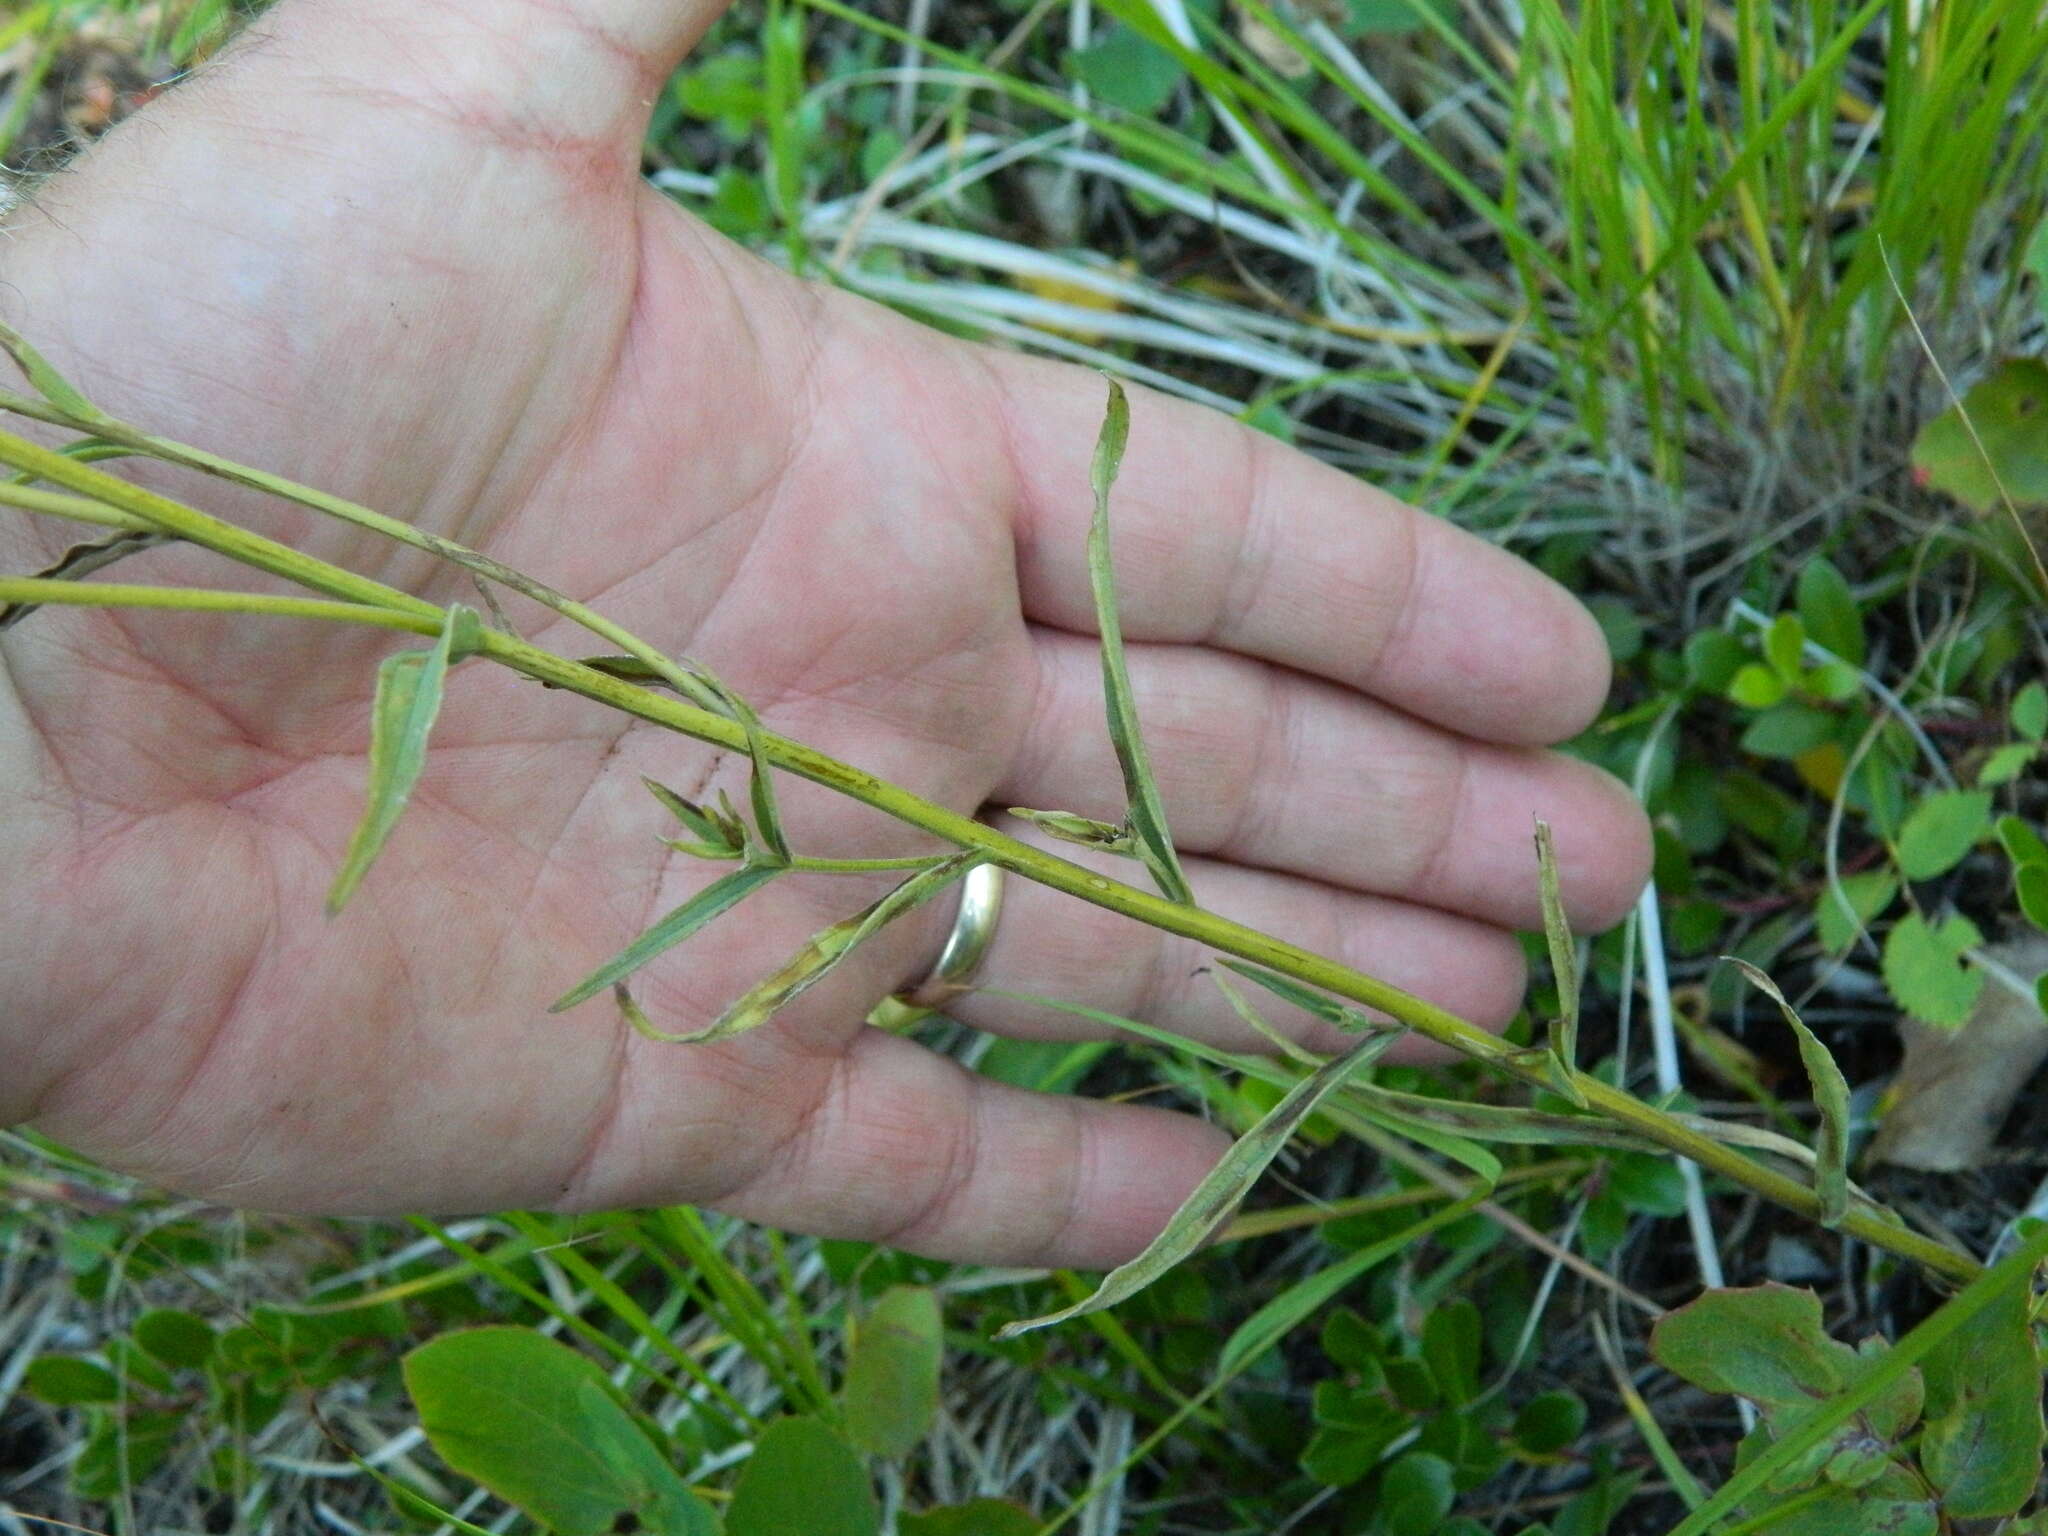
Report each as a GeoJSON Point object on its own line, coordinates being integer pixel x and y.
{"type": "Point", "coordinates": [803, 1478]}
{"type": "Point", "coordinates": [712, 828]}
{"type": "Point", "coordinates": [1982, 1442]}
{"type": "Point", "coordinates": [44, 378]}
{"type": "Point", "coordinates": [1301, 1301]}
{"type": "Point", "coordinates": [1941, 829]}
{"type": "Point", "coordinates": [761, 781]}
{"type": "Point", "coordinates": [891, 1393]}
{"type": "Point", "coordinates": [722, 894]}
{"type": "Point", "coordinates": [1328, 1009]}
{"type": "Point", "coordinates": [825, 949]}
{"type": "Point", "coordinates": [1564, 960]}
{"type": "Point", "coordinates": [1147, 815]}
{"type": "Point", "coordinates": [2007, 763]}
{"type": "Point", "coordinates": [540, 1426]}
{"type": "Point", "coordinates": [409, 689]}
{"type": "Point", "coordinates": [1217, 1197]}
{"type": "Point", "coordinates": [1830, 1097]}
{"type": "Point", "coordinates": [1828, 609]}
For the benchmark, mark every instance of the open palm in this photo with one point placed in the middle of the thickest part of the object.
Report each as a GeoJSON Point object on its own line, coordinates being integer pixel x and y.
{"type": "Point", "coordinates": [400, 250]}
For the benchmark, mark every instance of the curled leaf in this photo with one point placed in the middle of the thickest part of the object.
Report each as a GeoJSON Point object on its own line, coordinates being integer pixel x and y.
{"type": "Point", "coordinates": [409, 688]}
{"type": "Point", "coordinates": [1147, 815]}
{"type": "Point", "coordinates": [825, 949]}
{"type": "Point", "coordinates": [1219, 1194]}
{"type": "Point", "coordinates": [1084, 830]}
{"type": "Point", "coordinates": [81, 561]}
{"type": "Point", "coordinates": [46, 381]}
{"type": "Point", "coordinates": [1328, 1009]}
{"type": "Point", "coordinates": [1564, 964]}
{"type": "Point", "coordinates": [1830, 1097]}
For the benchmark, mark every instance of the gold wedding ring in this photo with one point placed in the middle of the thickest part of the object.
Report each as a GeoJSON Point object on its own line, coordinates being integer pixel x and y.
{"type": "Point", "coordinates": [974, 928]}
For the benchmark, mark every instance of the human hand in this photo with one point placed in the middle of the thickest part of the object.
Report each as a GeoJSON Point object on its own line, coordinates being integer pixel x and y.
{"type": "Point", "coordinates": [400, 250]}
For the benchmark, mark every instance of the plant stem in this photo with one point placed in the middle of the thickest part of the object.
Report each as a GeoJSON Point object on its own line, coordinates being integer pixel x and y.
{"type": "Point", "coordinates": [360, 597]}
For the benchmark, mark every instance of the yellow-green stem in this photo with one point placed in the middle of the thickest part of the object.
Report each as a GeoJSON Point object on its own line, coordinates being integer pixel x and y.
{"type": "Point", "coordinates": [963, 831]}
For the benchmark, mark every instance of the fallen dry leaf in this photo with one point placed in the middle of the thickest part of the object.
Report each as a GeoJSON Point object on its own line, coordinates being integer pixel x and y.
{"type": "Point", "coordinates": [1955, 1085]}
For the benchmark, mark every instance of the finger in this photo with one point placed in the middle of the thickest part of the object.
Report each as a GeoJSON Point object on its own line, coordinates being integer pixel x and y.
{"type": "Point", "coordinates": [560, 76]}
{"type": "Point", "coordinates": [1260, 765]}
{"type": "Point", "coordinates": [1048, 945]}
{"type": "Point", "coordinates": [1225, 536]}
{"type": "Point", "coordinates": [909, 1148]}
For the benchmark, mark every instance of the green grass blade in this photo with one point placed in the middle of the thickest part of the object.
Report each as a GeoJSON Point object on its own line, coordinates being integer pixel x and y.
{"type": "Point", "coordinates": [409, 689]}
{"type": "Point", "coordinates": [825, 949]}
{"type": "Point", "coordinates": [1830, 1097]}
{"type": "Point", "coordinates": [722, 894]}
{"type": "Point", "coordinates": [1219, 1194]}
{"type": "Point", "coordinates": [1295, 1305]}
{"type": "Point", "coordinates": [1147, 815]}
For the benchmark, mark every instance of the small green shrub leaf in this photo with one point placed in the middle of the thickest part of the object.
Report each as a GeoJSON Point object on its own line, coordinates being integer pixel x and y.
{"type": "Point", "coordinates": [1830, 1097]}
{"type": "Point", "coordinates": [2008, 762]}
{"type": "Point", "coordinates": [2030, 711]}
{"type": "Point", "coordinates": [1788, 729]}
{"type": "Point", "coordinates": [1146, 814]}
{"type": "Point", "coordinates": [803, 1477]}
{"type": "Point", "coordinates": [2030, 884]}
{"type": "Point", "coordinates": [826, 948]}
{"type": "Point", "coordinates": [2007, 448]}
{"type": "Point", "coordinates": [721, 895]}
{"type": "Point", "coordinates": [538, 1424]}
{"type": "Point", "coordinates": [891, 1394]}
{"type": "Point", "coordinates": [2021, 842]}
{"type": "Point", "coordinates": [180, 1340]}
{"type": "Point", "coordinates": [1756, 687]}
{"type": "Point", "coordinates": [1845, 909]}
{"type": "Point", "coordinates": [1712, 658]}
{"type": "Point", "coordinates": [1127, 70]}
{"type": "Point", "coordinates": [1941, 829]}
{"type": "Point", "coordinates": [1221, 1191]}
{"type": "Point", "coordinates": [66, 1380]}
{"type": "Point", "coordinates": [1550, 1422]}
{"type": "Point", "coordinates": [1924, 970]}
{"type": "Point", "coordinates": [982, 1517]}
{"type": "Point", "coordinates": [1785, 647]}
{"type": "Point", "coordinates": [1828, 610]}
{"type": "Point", "coordinates": [1450, 1343]}
{"type": "Point", "coordinates": [1982, 1442]}
{"type": "Point", "coordinates": [409, 688]}
{"type": "Point", "coordinates": [1416, 1494]}
{"type": "Point", "coordinates": [1764, 1343]}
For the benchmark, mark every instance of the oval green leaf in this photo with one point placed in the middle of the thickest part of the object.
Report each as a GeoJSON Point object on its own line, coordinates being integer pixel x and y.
{"type": "Point", "coordinates": [539, 1425]}
{"type": "Point", "coordinates": [803, 1477]}
{"type": "Point", "coordinates": [891, 1394]}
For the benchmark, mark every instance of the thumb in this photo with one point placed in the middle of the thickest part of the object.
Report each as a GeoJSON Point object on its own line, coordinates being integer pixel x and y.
{"type": "Point", "coordinates": [558, 74]}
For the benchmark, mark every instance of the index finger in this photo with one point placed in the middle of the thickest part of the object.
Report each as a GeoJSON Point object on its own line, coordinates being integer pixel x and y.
{"type": "Point", "coordinates": [1225, 536]}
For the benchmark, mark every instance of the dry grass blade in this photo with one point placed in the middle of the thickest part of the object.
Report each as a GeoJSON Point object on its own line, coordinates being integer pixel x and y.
{"type": "Point", "coordinates": [81, 561]}
{"type": "Point", "coordinates": [1564, 964]}
{"type": "Point", "coordinates": [409, 689]}
{"type": "Point", "coordinates": [1219, 1194]}
{"type": "Point", "coordinates": [1147, 815]}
